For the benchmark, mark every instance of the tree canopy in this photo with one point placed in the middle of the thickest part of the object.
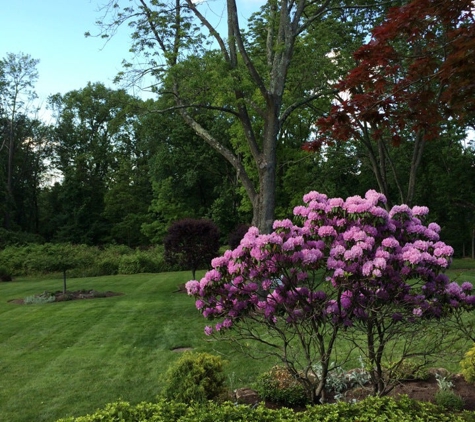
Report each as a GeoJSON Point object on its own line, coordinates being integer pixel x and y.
{"type": "Point", "coordinates": [253, 76]}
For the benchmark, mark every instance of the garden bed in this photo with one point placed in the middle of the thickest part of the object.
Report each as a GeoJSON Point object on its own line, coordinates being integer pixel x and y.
{"type": "Point", "coordinates": [60, 296]}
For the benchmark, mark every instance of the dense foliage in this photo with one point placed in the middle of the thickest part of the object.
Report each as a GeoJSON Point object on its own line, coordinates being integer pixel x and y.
{"type": "Point", "coordinates": [81, 260]}
{"type": "Point", "coordinates": [279, 385]}
{"type": "Point", "coordinates": [195, 377]}
{"type": "Point", "coordinates": [369, 410]}
{"type": "Point", "coordinates": [113, 169]}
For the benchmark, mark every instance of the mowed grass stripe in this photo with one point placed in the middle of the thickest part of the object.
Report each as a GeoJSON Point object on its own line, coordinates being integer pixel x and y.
{"type": "Point", "coordinates": [90, 351]}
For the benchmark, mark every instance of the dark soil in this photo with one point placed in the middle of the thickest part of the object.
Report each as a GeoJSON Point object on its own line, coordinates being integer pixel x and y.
{"type": "Point", "coordinates": [425, 390]}
{"type": "Point", "coordinates": [60, 296]}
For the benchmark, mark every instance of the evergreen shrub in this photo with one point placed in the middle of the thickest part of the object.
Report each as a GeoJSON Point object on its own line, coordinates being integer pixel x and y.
{"type": "Point", "coordinates": [195, 377]}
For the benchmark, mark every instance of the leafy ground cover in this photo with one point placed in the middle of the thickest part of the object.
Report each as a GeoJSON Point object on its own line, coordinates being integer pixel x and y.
{"type": "Point", "coordinates": [70, 358]}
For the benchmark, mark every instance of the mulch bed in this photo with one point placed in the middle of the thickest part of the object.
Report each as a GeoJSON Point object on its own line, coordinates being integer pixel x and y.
{"type": "Point", "coordinates": [60, 296]}
{"type": "Point", "coordinates": [421, 390]}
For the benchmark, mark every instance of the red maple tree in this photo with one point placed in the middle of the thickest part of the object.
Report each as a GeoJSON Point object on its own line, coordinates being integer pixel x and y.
{"type": "Point", "coordinates": [416, 72]}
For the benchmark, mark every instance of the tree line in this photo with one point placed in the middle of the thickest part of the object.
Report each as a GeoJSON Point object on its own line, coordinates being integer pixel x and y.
{"type": "Point", "coordinates": [334, 96]}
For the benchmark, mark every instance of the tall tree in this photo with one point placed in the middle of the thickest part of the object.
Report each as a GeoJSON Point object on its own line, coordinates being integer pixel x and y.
{"type": "Point", "coordinates": [244, 76]}
{"type": "Point", "coordinates": [18, 75]}
{"type": "Point", "coordinates": [94, 134]}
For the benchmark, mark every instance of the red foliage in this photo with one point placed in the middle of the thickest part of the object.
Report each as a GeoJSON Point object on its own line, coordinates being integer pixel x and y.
{"type": "Point", "coordinates": [416, 71]}
{"type": "Point", "coordinates": [191, 243]}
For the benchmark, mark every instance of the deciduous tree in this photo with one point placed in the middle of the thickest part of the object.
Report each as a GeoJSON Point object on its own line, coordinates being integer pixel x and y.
{"type": "Point", "coordinates": [18, 75]}
{"type": "Point", "coordinates": [191, 243]}
{"type": "Point", "coordinates": [94, 135]}
{"type": "Point", "coordinates": [256, 78]}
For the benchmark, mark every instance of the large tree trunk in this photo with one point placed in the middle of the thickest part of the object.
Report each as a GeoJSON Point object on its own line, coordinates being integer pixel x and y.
{"type": "Point", "coordinates": [267, 164]}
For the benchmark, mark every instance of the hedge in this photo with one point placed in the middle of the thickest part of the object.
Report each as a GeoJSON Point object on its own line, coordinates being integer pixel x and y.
{"type": "Point", "coordinates": [372, 409]}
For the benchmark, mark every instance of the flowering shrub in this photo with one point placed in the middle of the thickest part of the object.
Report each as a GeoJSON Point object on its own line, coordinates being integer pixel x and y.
{"type": "Point", "coordinates": [341, 263]}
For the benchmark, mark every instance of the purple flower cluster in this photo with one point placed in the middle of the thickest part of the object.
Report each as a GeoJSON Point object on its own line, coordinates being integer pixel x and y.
{"type": "Point", "coordinates": [338, 260]}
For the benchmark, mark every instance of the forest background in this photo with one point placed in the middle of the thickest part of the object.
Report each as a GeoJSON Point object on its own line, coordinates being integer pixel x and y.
{"type": "Point", "coordinates": [243, 124]}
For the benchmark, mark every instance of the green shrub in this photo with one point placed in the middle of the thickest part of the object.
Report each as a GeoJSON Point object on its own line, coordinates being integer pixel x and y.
{"type": "Point", "coordinates": [125, 412]}
{"type": "Point", "coordinates": [148, 261]}
{"type": "Point", "coordinates": [81, 260]}
{"type": "Point", "coordinates": [5, 274]}
{"type": "Point", "coordinates": [106, 266]}
{"type": "Point", "coordinates": [449, 400]}
{"type": "Point", "coordinates": [408, 370]}
{"type": "Point", "coordinates": [468, 365]}
{"type": "Point", "coordinates": [279, 386]}
{"type": "Point", "coordinates": [130, 264]}
{"type": "Point", "coordinates": [195, 377]}
{"type": "Point", "coordinates": [12, 258]}
{"type": "Point", "coordinates": [373, 409]}
{"type": "Point", "coordinates": [11, 238]}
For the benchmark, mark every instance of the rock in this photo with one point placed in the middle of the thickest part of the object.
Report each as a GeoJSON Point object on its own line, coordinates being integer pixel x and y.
{"type": "Point", "coordinates": [440, 371]}
{"type": "Point", "coordinates": [246, 396]}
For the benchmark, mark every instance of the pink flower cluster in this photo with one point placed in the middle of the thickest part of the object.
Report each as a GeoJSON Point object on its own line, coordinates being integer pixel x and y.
{"type": "Point", "coordinates": [335, 262]}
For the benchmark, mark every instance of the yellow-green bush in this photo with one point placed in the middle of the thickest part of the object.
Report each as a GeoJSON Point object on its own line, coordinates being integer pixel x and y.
{"type": "Point", "coordinates": [195, 377]}
{"type": "Point", "coordinates": [468, 365]}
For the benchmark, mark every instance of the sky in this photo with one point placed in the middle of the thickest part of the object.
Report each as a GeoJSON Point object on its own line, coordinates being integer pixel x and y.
{"type": "Point", "coordinates": [53, 32]}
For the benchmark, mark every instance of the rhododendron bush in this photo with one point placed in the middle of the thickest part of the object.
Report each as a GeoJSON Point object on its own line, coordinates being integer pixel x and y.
{"type": "Point", "coordinates": [341, 266]}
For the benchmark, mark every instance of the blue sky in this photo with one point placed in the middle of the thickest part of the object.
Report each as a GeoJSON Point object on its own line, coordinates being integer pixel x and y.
{"type": "Point", "coordinates": [53, 32]}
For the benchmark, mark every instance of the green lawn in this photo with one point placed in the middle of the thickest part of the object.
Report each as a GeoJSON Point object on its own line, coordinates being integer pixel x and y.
{"type": "Point", "coordinates": [70, 358]}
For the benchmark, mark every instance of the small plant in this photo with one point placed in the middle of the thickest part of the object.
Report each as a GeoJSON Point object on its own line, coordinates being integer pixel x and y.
{"type": "Point", "coordinates": [45, 297]}
{"type": "Point", "coordinates": [196, 377]}
{"type": "Point", "coordinates": [468, 366]}
{"type": "Point", "coordinates": [445, 397]}
{"type": "Point", "coordinates": [449, 400]}
{"type": "Point", "coordinates": [408, 370]}
{"type": "Point", "coordinates": [339, 380]}
{"type": "Point", "coordinates": [280, 386]}
{"type": "Point", "coordinates": [359, 377]}
{"type": "Point", "coordinates": [444, 383]}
